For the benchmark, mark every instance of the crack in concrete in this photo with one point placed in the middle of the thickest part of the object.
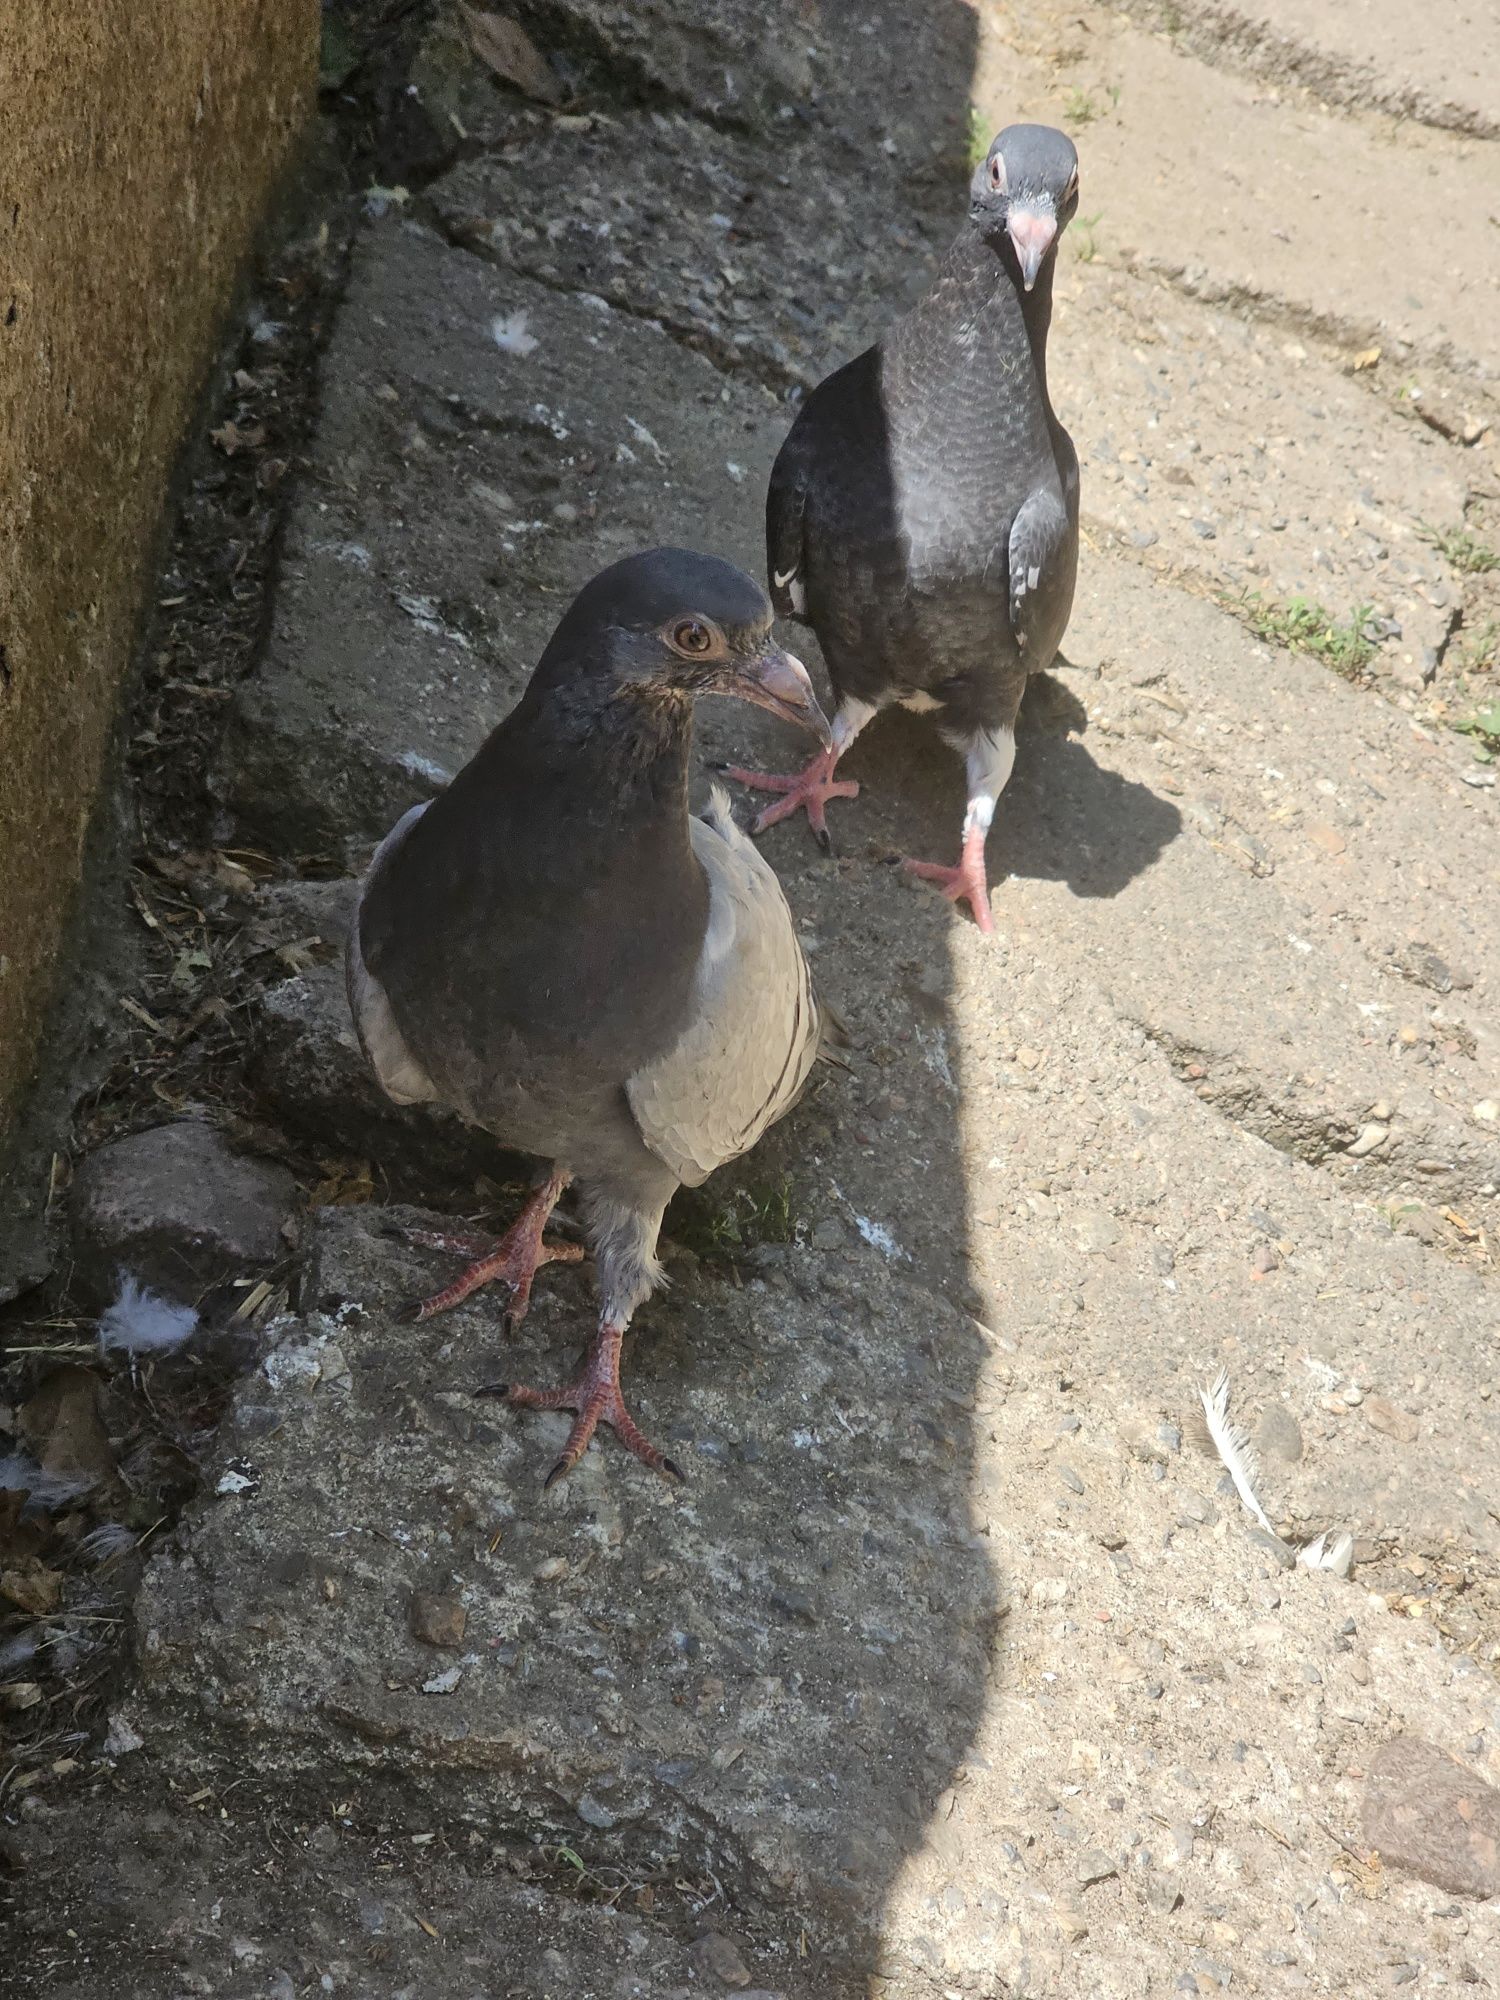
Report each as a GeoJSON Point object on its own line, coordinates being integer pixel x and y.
{"type": "Point", "coordinates": [1223, 38]}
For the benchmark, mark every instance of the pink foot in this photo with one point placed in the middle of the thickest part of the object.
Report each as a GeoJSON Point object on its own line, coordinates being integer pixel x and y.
{"type": "Point", "coordinates": [514, 1260]}
{"type": "Point", "coordinates": [811, 788]}
{"type": "Point", "coordinates": [595, 1394]}
{"type": "Point", "coordinates": [966, 882]}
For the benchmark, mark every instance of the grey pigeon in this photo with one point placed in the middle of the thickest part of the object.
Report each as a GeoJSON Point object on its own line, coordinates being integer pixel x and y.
{"type": "Point", "coordinates": [558, 950]}
{"type": "Point", "coordinates": [922, 515]}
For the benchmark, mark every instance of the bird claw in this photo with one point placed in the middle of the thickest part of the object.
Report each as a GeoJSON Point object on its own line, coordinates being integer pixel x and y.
{"type": "Point", "coordinates": [595, 1397]}
{"type": "Point", "coordinates": [964, 883]}
{"type": "Point", "coordinates": [513, 1260]}
{"type": "Point", "coordinates": [808, 790]}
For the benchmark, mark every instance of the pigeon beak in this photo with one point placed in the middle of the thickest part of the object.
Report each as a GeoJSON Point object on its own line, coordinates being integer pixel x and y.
{"type": "Point", "coordinates": [1032, 232]}
{"type": "Point", "coordinates": [778, 681]}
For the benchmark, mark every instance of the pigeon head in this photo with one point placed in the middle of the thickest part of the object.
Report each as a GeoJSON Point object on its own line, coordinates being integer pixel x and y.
{"type": "Point", "coordinates": [1024, 193]}
{"type": "Point", "coordinates": [664, 627]}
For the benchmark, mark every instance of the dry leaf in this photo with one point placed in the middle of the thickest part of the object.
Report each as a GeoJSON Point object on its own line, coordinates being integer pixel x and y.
{"type": "Point", "coordinates": [504, 47]}
{"type": "Point", "coordinates": [32, 1587]}
{"type": "Point", "coordinates": [231, 439]}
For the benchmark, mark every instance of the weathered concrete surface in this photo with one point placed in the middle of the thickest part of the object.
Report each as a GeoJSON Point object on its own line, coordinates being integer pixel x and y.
{"type": "Point", "coordinates": [1360, 53]}
{"type": "Point", "coordinates": [141, 144]}
{"type": "Point", "coordinates": [953, 1668]}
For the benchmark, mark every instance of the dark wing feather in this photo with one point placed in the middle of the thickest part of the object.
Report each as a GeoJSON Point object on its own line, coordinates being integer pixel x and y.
{"type": "Point", "coordinates": [786, 510]}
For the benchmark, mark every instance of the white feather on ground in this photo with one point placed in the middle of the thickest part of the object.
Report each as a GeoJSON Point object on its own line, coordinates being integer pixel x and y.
{"type": "Point", "coordinates": [1221, 1435]}
{"type": "Point", "coordinates": [109, 1539]}
{"type": "Point", "coordinates": [1332, 1550]}
{"type": "Point", "coordinates": [142, 1322]}
{"type": "Point", "coordinates": [46, 1492]}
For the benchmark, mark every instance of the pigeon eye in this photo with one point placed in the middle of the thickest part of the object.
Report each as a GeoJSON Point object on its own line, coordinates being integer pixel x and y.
{"type": "Point", "coordinates": [997, 174]}
{"type": "Point", "coordinates": [1072, 188]}
{"type": "Point", "coordinates": [692, 636]}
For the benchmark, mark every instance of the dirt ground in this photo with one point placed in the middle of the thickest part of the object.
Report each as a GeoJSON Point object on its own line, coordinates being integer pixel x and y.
{"type": "Point", "coordinates": [954, 1669]}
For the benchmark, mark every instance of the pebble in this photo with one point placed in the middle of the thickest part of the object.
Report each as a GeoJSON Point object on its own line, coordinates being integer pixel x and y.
{"type": "Point", "coordinates": [1382, 1415]}
{"type": "Point", "coordinates": [553, 1570]}
{"type": "Point", "coordinates": [437, 1621]}
{"type": "Point", "coordinates": [1094, 1866]}
{"type": "Point", "coordinates": [1429, 1814]}
{"type": "Point", "coordinates": [1070, 1478]}
{"type": "Point", "coordinates": [718, 1957]}
{"type": "Point", "coordinates": [592, 1813]}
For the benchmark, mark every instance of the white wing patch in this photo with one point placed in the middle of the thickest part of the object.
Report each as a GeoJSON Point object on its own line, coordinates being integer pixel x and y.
{"type": "Point", "coordinates": [743, 1058]}
{"type": "Point", "coordinates": [791, 583]}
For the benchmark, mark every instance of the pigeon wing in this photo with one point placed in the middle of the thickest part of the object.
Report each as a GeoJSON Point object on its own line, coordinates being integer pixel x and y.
{"type": "Point", "coordinates": [786, 510]}
{"type": "Point", "coordinates": [397, 1070]}
{"type": "Point", "coordinates": [1043, 561]}
{"type": "Point", "coordinates": [753, 1034]}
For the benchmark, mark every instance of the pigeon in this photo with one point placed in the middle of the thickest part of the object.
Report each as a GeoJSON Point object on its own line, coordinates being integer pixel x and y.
{"type": "Point", "coordinates": [922, 515]}
{"type": "Point", "coordinates": [560, 951]}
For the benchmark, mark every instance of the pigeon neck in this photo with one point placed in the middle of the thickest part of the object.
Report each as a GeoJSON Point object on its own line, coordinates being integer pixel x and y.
{"type": "Point", "coordinates": [620, 761]}
{"type": "Point", "coordinates": [991, 295]}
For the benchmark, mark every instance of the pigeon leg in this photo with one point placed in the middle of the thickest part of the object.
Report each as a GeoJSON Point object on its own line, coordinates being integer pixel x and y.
{"type": "Point", "coordinates": [966, 882]}
{"type": "Point", "coordinates": [595, 1395]}
{"type": "Point", "coordinates": [812, 788]}
{"type": "Point", "coordinates": [515, 1259]}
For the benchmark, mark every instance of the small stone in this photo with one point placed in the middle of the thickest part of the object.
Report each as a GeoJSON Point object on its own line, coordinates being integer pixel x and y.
{"type": "Point", "coordinates": [717, 1957]}
{"type": "Point", "coordinates": [178, 1209]}
{"type": "Point", "coordinates": [122, 1739]}
{"type": "Point", "coordinates": [1070, 1478]}
{"type": "Point", "coordinates": [1283, 1556]}
{"type": "Point", "coordinates": [437, 1621]}
{"type": "Point", "coordinates": [592, 1813]}
{"type": "Point", "coordinates": [795, 1604]}
{"type": "Point", "coordinates": [445, 1682]}
{"type": "Point", "coordinates": [1094, 1866]}
{"type": "Point", "coordinates": [1264, 1260]}
{"type": "Point", "coordinates": [553, 1570]}
{"type": "Point", "coordinates": [1382, 1415]}
{"type": "Point", "coordinates": [1370, 1138]}
{"type": "Point", "coordinates": [1029, 1058]}
{"type": "Point", "coordinates": [1327, 837]}
{"type": "Point", "coordinates": [829, 1234]}
{"type": "Point", "coordinates": [1097, 1231]}
{"type": "Point", "coordinates": [1359, 1672]}
{"type": "Point", "coordinates": [1427, 1813]}
{"type": "Point", "coordinates": [1487, 1110]}
{"type": "Point", "coordinates": [1401, 1975]}
{"type": "Point", "coordinates": [1163, 1897]}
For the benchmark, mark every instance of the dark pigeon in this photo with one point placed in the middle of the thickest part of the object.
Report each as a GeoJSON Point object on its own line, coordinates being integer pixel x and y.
{"type": "Point", "coordinates": [923, 512]}
{"type": "Point", "coordinates": [559, 951]}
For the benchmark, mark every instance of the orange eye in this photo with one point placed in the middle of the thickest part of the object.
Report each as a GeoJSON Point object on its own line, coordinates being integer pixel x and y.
{"type": "Point", "coordinates": [692, 636]}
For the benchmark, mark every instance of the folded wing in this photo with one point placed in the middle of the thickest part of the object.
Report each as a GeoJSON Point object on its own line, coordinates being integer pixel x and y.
{"type": "Point", "coordinates": [744, 1056]}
